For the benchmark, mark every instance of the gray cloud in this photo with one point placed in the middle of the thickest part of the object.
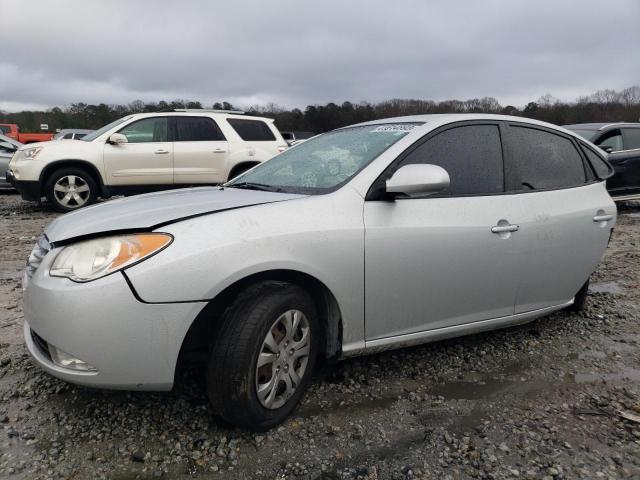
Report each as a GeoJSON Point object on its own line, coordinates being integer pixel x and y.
{"type": "Point", "coordinates": [294, 53]}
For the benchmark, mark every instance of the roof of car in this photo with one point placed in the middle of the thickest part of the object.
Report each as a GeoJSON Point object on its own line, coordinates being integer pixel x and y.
{"type": "Point", "coordinates": [200, 113]}
{"type": "Point", "coordinates": [602, 126]}
{"type": "Point", "coordinates": [437, 119]}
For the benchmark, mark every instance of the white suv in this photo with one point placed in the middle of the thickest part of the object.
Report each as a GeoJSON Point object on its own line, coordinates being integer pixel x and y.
{"type": "Point", "coordinates": [144, 152]}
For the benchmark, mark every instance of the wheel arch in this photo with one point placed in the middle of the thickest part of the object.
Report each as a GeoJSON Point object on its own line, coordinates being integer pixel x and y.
{"type": "Point", "coordinates": [241, 166]}
{"type": "Point", "coordinates": [75, 163]}
{"type": "Point", "coordinates": [205, 325]}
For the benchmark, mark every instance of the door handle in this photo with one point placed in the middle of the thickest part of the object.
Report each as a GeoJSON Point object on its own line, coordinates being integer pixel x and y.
{"type": "Point", "coordinates": [219, 150]}
{"type": "Point", "coordinates": [505, 228]}
{"type": "Point", "coordinates": [161, 151]}
{"type": "Point", "coordinates": [602, 218]}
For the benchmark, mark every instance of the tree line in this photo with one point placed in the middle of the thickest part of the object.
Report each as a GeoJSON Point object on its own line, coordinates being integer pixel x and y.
{"type": "Point", "coordinates": [602, 106]}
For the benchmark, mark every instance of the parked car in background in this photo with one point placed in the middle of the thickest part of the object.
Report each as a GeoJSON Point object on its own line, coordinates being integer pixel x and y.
{"type": "Point", "coordinates": [12, 130]}
{"type": "Point", "coordinates": [8, 147]}
{"type": "Point", "coordinates": [71, 134]}
{"type": "Point", "coordinates": [622, 142]}
{"type": "Point", "coordinates": [145, 152]}
{"type": "Point", "coordinates": [295, 137]}
{"type": "Point", "coordinates": [385, 234]}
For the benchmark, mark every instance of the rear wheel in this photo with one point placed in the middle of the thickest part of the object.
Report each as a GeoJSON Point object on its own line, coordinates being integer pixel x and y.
{"type": "Point", "coordinates": [68, 189]}
{"type": "Point", "coordinates": [264, 354]}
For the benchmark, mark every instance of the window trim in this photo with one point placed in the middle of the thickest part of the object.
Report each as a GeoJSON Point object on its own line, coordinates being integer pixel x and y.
{"type": "Point", "coordinates": [585, 146]}
{"type": "Point", "coordinates": [174, 129]}
{"type": "Point", "coordinates": [169, 136]}
{"type": "Point", "coordinates": [552, 131]}
{"type": "Point", "coordinates": [375, 193]}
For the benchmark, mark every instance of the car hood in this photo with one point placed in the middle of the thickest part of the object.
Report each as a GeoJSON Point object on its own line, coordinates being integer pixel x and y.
{"type": "Point", "coordinates": [152, 210]}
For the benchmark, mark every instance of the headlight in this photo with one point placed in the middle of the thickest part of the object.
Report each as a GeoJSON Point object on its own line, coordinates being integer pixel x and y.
{"type": "Point", "coordinates": [91, 259]}
{"type": "Point", "coordinates": [31, 152]}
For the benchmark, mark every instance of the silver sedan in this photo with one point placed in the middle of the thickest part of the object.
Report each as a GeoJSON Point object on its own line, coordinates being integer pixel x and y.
{"type": "Point", "coordinates": [375, 236]}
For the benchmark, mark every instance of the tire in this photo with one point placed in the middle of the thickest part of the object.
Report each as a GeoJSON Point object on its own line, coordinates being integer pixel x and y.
{"type": "Point", "coordinates": [233, 375]}
{"type": "Point", "coordinates": [69, 189]}
{"type": "Point", "coordinates": [580, 299]}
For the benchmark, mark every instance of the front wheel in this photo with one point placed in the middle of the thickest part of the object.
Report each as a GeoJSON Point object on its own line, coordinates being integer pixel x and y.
{"type": "Point", "coordinates": [580, 299]}
{"type": "Point", "coordinates": [69, 189]}
{"type": "Point", "coordinates": [264, 354]}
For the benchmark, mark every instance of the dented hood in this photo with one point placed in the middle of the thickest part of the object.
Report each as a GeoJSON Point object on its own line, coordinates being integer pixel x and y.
{"type": "Point", "coordinates": [152, 210]}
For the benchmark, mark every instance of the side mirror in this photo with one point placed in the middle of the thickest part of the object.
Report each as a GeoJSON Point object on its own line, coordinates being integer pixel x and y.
{"type": "Point", "coordinates": [117, 138]}
{"type": "Point", "coordinates": [418, 179]}
{"type": "Point", "coordinates": [607, 149]}
{"type": "Point", "coordinates": [10, 147]}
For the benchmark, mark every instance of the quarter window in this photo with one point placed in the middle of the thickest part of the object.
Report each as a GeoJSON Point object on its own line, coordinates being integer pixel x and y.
{"type": "Point", "coordinates": [612, 140]}
{"type": "Point", "coordinates": [146, 130]}
{"type": "Point", "coordinates": [197, 129]}
{"type": "Point", "coordinates": [252, 130]}
{"type": "Point", "coordinates": [542, 160]}
{"type": "Point", "coordinates": [631, 138]}
{"type": "Point", "coordinates": [597, 162]}
{"type": "Point", "coordinates": [471, 154]}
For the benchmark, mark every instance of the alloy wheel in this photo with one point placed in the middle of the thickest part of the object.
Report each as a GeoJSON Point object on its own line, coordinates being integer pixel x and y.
{"type": "Point", "coordinates": [71, 191]}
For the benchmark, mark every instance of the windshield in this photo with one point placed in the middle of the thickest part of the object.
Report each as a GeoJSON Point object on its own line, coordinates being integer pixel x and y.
{"type": "Point", "coordinates": [584, 132]}
{"type": "Point", "coordinates": [95, 134]}
{"type": "Point", "coordinates": [324, 163]}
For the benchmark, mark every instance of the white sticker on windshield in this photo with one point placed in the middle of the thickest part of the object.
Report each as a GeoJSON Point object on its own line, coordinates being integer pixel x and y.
{"type": "Point", "coordinates": [398, 127]}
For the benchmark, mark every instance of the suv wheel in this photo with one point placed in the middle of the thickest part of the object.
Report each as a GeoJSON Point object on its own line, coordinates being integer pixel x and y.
{"type": "Point", "coordinates": [69, 189]}
{"type": "Point", "coordinates": [264, 354]}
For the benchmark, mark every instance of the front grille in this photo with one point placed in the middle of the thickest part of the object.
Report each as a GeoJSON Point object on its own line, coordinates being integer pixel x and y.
{"type": "Point", "coordinates": [40, 250]}
{"type": "Point", "coordinates": [42, 344]}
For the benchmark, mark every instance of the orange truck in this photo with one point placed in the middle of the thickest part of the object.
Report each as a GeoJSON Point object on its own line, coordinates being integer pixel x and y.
{"type": "Point", "coordinates": [12, 130]}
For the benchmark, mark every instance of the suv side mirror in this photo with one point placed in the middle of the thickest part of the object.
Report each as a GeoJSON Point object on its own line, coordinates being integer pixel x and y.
{"type": "Point", "coordinates": [606, 148]}
{"type": "Point", "coordinates": [117, 138]}
{"type": "Point", "coordinates": [418, 179]}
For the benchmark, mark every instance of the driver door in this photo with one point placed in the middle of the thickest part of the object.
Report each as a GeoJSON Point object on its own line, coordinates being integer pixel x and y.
{"type": "Point", "coordinates": [147, 157]}
{"type": "Point", "coordinates": [434, 262]}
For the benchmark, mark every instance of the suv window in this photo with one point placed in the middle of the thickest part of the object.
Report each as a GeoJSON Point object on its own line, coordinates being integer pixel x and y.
{"type": "Point", "coordinates": [197, 129]}
{"type": "Point", "coordinates": [78, 136]}
{"type": "Point", "coordinates": [471, 154]}
{"type": "Point", "coordinates": [68, 135]}
{"type": "Point", "coordinates": [252, 130]}
{"type": "Point", "coordinates": [631, 138]}
{"type": "Point", "coordinates": [611, 139]}
{"type": "Point", "coordinates": [146, 130]}
{"type": "Point", "coordinates": [602, 169]}
{"type": "Point", "coordinates": [542, 160]}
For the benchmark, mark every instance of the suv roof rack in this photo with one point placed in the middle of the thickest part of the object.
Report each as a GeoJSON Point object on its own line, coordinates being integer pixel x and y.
{"type": "Point", "coordinates": [237, 112]}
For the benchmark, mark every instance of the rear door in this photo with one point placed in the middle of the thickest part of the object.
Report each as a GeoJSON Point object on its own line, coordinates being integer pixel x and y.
{"type": "Point", "coordinates": [626, 162]}
{"type": "Point", "coordinates": [566, 217]}
{"type": "Point", "coordinates": [434, 261]}
{"type": "Point", "coordinates": [200, 151]}
{"type": "Point", "coordinates": [147, 157]}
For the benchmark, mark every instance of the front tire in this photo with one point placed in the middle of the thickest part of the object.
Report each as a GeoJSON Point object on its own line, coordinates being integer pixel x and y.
{"type": "Point", "coordinates": [69, 189]}
{"type": "Point", "coordinates": [264, 354]}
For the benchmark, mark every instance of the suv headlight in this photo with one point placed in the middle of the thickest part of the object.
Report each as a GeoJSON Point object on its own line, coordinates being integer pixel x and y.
{"type": "Point", "coordinates": [31, 153]}
{"type": "Point", "coordinates": [92, 259]}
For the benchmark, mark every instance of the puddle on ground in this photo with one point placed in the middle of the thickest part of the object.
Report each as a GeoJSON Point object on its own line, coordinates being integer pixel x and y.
{"type": "Point", "coordinates": [613, 288]}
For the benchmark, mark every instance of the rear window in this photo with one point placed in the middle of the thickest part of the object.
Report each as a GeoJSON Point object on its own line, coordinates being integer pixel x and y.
{"type": "Point", "coordinates": [542, 160]}
{"type": "Point", "coordinates": [197, 129]}
{"type": "Point", "coordinates": [252, 130]}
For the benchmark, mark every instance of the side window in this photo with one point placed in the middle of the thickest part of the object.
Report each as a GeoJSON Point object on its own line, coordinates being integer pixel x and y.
{"type": "Point", "coordinates": [611, 139]}
{"type": "Point", "coordinates": [252, 130]}
{"type": "Point", "coordinates": [197, 129]}
{"type": "Point", "coordinates": [78, 136]}
{"type": "Point", "coordinates": [146, 130]}
{"type": "Point", "coordinates": [68, 135]}
{"type": "Point", "coordinates": [601, 167]}
{"type": "Point", "coordinates": [541, 160]}
{"type": "Point", "coordinates": [631, 138]}
{"type": "Point", "coordinates": [472, 155]}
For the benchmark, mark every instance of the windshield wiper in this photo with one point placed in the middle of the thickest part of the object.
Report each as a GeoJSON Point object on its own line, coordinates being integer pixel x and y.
{"type": "Point", "coordinates": [255, 186]}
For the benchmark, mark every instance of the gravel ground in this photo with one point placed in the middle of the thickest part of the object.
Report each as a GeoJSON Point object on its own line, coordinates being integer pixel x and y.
{"type": "Point", "coordinates": [538, 401]}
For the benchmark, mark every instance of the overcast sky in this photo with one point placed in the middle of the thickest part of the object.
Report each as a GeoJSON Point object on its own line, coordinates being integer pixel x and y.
{"type": "Point", "coordinates": [296, 53]}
